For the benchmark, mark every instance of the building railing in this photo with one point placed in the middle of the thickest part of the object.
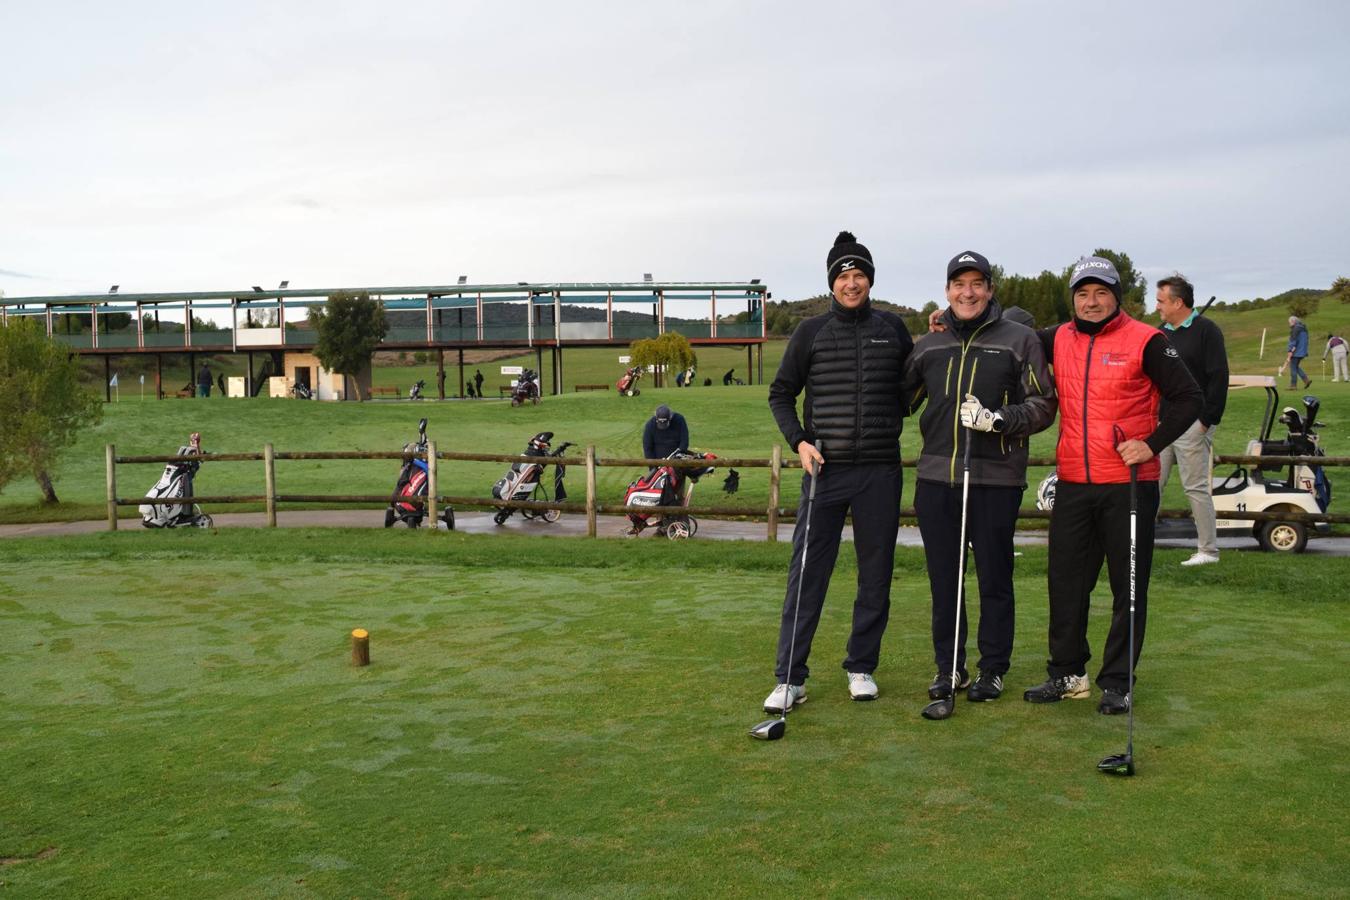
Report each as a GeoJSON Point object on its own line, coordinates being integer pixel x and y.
{"type": "Point", "coordinates": [772, 514]}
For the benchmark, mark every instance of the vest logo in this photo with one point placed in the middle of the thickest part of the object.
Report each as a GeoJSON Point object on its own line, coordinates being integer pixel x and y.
{"type": "Point", "coordinates": [879, 341]}
{"type": "Point", "coordinates": [1171, 351]}
{"type": "Point", "coordinates": [1115, 359]}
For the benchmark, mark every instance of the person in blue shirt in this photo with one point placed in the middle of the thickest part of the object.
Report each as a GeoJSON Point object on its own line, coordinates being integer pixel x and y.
{"type": "Point", "coordinates": [1298, 351]}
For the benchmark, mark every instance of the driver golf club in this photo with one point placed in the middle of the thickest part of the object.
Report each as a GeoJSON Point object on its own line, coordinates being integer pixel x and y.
{"type": "Point", "coordinates": [944, 707]}
{"type": "Point", "coordinates": [1123, 763]}
{"type": "Point", "coordinates": [773, 729]}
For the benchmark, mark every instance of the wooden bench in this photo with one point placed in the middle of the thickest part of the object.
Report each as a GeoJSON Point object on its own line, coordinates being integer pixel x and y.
{"type": "Point", "coordinates": [504, 390]}
{"type": "Point", "coordinates": [186, 394]}
{"type": "Point", "coordinates": [384, 391]}
{"type": "Point", "coordinates": [591, 387]}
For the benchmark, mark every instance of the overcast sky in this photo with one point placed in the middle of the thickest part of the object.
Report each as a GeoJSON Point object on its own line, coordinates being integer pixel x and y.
{"type": "Point", "coordinates": [179, 146]}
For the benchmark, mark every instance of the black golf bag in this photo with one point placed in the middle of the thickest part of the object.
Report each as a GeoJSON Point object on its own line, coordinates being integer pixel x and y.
{"type": "Point", "coordinates": [175, 485]}
{"type": "Point", "coordinates": [666, 486]}
{"type": "Point", "coordinates": [524, 481]}
{"type": "Point", "coordinates": [526, 389]}
{"type": "Point", "coordinates": [415, 393]}
{"type": "Point", "coordinates": [1302, 440]}
{"type": "Point", "coordinates": [413, 482]}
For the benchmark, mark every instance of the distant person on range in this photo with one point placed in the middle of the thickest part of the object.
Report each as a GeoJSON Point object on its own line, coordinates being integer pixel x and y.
{"type": "Point", "coordinates": [1298, 351]}
{"type": "Point", "coordinates": [1111, 372]}
{"type": "Point", "coordinates": [204, 381]}
{"type": "Point", "coordinates": [1338, 349]}
{"type": "Point", "coordinates": [666, 432]}
{"type": "Point", "coordinates": [1200, 344]}
{"type": "Point", "coordinates": [478, 381]}
{"type": "Point", "coordinates": [848, 362]}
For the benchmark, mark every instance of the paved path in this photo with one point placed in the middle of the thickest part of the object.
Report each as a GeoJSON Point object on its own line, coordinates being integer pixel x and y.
{"type": "Point", "coordinates": [571, 525]}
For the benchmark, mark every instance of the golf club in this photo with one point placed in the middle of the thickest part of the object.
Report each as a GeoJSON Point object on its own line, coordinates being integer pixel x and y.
{"type": "Point", "coordinates": [1123, 763]}
{"type": "Point", "coordinates": [773, 729]}
{"type": "Point", "coordinates": [943, 708]}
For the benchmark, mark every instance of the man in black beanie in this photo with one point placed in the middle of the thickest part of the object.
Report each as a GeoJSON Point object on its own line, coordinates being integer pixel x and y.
{"type": "Point", "coordinates": [849, 362]}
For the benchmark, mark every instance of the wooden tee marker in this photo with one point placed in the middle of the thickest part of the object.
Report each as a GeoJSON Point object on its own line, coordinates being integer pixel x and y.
{"type": "Point", "coordinates": [360, 647]}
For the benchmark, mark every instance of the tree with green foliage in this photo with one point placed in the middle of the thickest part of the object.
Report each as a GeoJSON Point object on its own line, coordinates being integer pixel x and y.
{"type": "Point", "coordinates": [671, 350]}
{"type": "Point", "coordinates": [42, 405]}
{"type": "Point", "coordinates": [1303, 305]}
{"type": "Point", "coordinates": [348, 328]}
{"type": "Point", "coordinates": [1340, 289]}
{"type": "Point", "coordinates": [1133, 284]}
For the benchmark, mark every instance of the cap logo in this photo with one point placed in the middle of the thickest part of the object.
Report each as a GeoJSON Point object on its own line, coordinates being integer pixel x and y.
{"type": "Point", "coordinates": [1091, 264]}
{"type": "Point", "coordinates": [966, 258]}
{"type": "Point", "coordinates": [847, 265]}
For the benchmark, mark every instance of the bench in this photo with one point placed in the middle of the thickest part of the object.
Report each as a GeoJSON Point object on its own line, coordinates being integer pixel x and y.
{"type": "Point", "coordinates": [383, 391]}
{"type": "Point", "coordinates": [591, 387]}
{"type": "Point", "coordinates": [186, 394]}
{"type": "Point", "coordinates": [504, 390]}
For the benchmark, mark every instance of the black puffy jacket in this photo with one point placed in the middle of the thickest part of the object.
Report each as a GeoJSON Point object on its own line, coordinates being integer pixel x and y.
{"type": "Point", "coordinates": [850, 363]}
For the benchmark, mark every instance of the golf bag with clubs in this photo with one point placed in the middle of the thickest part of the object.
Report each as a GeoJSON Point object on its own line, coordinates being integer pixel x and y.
{"type": "Point", "coordinates": [524, 481]}
{"type": "Point", "coordinates": [666, 486]}
{"type": "Point", "coordinates": [175, 485]}
{"type": "Point", "coordinates": [627, 385]}
{"type": "Point", "coordinates": [526, 389]}
{"type": "Point", "coordinates": [415, 392]}
{"type": "Point", "coordinates": [413, 482]}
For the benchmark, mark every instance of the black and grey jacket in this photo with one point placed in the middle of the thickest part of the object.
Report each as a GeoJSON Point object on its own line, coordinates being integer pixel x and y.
{"type": "Point", "coordinates": [1000, 362]}
{"type": "Point", "coordinates": [850, 362]}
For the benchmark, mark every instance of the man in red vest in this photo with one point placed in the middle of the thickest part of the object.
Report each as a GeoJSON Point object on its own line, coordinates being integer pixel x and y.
{"type": "Point", "coordinates": [1111, 371]}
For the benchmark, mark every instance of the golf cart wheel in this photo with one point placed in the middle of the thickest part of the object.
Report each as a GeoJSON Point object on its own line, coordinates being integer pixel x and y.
{"type": "Point", "coordinates": [551, 515]}
{"type": "Point", "coordinates": [678, 531]}
{"type": "Point", "coordinates": [449, 518]}
{"type": "Point", "coordinates": [1283, 537]}
{"type": "Point", "coordinates": [389, 517]}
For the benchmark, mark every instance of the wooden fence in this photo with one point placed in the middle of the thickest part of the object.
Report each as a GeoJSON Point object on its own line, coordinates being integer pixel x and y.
{"type": "Point", "coordinates": [772, 514]}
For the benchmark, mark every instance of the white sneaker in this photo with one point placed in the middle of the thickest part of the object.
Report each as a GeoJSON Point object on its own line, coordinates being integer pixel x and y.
{"type": "Point", "coordinates": [789, 694]}
{"type": "Point", "coordinates": [1201, 559]}
{"type": "Point", "coordinates": [861, 686]}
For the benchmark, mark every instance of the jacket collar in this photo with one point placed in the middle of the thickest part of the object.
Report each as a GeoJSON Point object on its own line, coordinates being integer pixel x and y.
{"type": "Point", "coordinates": [850, 315]}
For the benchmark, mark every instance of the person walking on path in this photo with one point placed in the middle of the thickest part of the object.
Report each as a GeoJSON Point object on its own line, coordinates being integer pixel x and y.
{"type": "Point", "coordinates": [1200, 344]}
{"type": "Point", "coordinates": [204, 381]}
{"type": "Point", "coordinates": [985, 373]}
{"type": "Point", "coordinates": [1339, 350]}
{"type": "Point", "coordinates": [849, 361]}
{"type": "Point", "coordinates": [478, 381]}
{"type": "Point", "coordinates": [1298, 351]}
{"type": "Point", "coordinates": [1111, 371]}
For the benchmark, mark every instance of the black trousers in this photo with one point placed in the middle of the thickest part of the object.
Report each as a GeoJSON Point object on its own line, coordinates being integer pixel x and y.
{"type": "Point", "coordinates": [991, 518]}
{"type": "Point", "coordinates": [1091, 522]}
{"type": "Point", "coordinates": [872, 494]}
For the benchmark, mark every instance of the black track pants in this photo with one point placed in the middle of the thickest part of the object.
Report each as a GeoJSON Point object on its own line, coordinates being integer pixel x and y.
{"type": "Point", "coordinates": [872, 494]}
{"type": "Point", "coordinates": [990, 521]}
{"type": "Point", "coordinates": [1091, 522]}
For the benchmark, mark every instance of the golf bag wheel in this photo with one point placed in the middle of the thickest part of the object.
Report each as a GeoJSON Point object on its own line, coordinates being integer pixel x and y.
{"type": "Point", "coordinates": [205, 521]}
{"type": "Point", "coordinates": [535, 399]}
{"type": "Point", "coordinates": [528, 514]}
{"type": "Point", "coordinates": [501, 516]}
{"type": "Point", "coordinates": [693, 526]}
{"type": "Point", "coordinates": [389, 517]}
{"type": "Point", "coordinates": [678, 531]}
{"type": "Point", "coordinates": [551, 515]}
{"type": "Point", "coordinates": [449, 518]}
{"type": "Point", "coordinates": [515, 401]}
{"type": "Point", "coordinates": [414, 521]}
{"type": "Point", "coordinates": [1283, 537]}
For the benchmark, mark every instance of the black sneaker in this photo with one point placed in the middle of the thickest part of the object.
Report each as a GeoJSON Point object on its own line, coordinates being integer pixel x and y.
{"type": "Point", "coordinates": [1073, 687]}
{"type": "Point", "coordinates": [1113, 703]}
{"type": "Point", "coordinates": [942, 684]}
{"type": "Point", "coordinates": [987, 687]}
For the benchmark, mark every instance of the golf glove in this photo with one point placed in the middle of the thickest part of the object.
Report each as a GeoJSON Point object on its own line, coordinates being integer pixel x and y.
{"type": "Point", "coordinates": [975, 416]}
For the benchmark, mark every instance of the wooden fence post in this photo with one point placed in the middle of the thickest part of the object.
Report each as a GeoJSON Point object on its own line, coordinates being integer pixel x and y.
{"type": "Point", "coordinates": [270, 481]}
{"type": "Point", "coordinates": [111, 453]}
{"type": "Point", "coordinates": [431, 485]}
{"type": "Point", "coordinates": [590, 490]}
{"type": "Point", "coordinates": [775, 473]}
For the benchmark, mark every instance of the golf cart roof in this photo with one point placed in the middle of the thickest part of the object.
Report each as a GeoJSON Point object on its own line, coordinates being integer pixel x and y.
{"type": "Point", "coordinates": [1242, 381]}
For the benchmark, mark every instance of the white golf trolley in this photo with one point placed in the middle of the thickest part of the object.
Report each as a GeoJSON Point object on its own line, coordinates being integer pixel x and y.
{"type": "Point", "coordinates": [1301, 488]}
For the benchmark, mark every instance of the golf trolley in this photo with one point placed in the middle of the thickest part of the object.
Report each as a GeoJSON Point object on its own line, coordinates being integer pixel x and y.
{"type": "Point", "coordinates": [413, 482]}
{"type": "Point", "coordinates": [1302, 489]}
{"type": "Point", "coordinates": [627, 385]}
{"type": "Point", "coordinates": [524, 481]}
{"type": "Point", "coordinates": [415, 392]}
{"type": "Point", "coordinates": [526, 388]}
{"type": "Point", "coordinates": [667, 486]}
{"type": "Point", "coordinates": [176, 485]}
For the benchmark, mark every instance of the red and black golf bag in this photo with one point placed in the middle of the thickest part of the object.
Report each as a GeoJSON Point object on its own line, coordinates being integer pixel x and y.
{"type": "Point", "coordinates": [666, 486]}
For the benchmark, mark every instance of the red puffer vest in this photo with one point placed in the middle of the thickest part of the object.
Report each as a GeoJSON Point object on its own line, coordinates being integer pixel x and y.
{"type": "Point", "coordinates": [1101, 383]}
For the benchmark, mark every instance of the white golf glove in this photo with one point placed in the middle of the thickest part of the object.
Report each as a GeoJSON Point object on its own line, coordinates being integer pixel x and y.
{"type": "Point", "coordinates": [975, 416]}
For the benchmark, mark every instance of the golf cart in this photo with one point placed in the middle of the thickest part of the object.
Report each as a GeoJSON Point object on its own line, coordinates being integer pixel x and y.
{"type": "Point", "coordinates": [1275, 487]}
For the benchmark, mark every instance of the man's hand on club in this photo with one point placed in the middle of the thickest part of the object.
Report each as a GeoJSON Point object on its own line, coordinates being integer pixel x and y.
{"type": "Point", "coordinates": [975, 416]}
{"type": "Point", "coordinates": [810, 457]}
{"type": "Point", "coordinates": [1134, 452]}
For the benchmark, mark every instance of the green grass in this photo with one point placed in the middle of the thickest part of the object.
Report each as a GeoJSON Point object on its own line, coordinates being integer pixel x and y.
{"type": "Point", "coordinates": [178, 717]}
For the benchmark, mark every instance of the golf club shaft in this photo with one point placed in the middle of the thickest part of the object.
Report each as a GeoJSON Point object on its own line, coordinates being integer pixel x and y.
{"type": "Point", "coordinates": [1134, 520]}
{"type": "Point", "coordinates": [801, 579]}
{"type": "Point", "coordinates": [961, 560]}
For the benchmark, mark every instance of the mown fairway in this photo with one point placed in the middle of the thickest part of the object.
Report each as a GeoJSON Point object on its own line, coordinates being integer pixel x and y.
{"type": "Point", "coordinates": [568, 718]}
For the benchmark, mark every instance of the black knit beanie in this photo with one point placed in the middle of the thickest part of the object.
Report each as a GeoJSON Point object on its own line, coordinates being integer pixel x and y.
{"type": "Point", "coordinates": [847, 254]}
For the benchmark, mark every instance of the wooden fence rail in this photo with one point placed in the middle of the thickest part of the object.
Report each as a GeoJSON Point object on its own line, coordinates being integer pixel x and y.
{"type": "Point", "coordinates": [772, 515]}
